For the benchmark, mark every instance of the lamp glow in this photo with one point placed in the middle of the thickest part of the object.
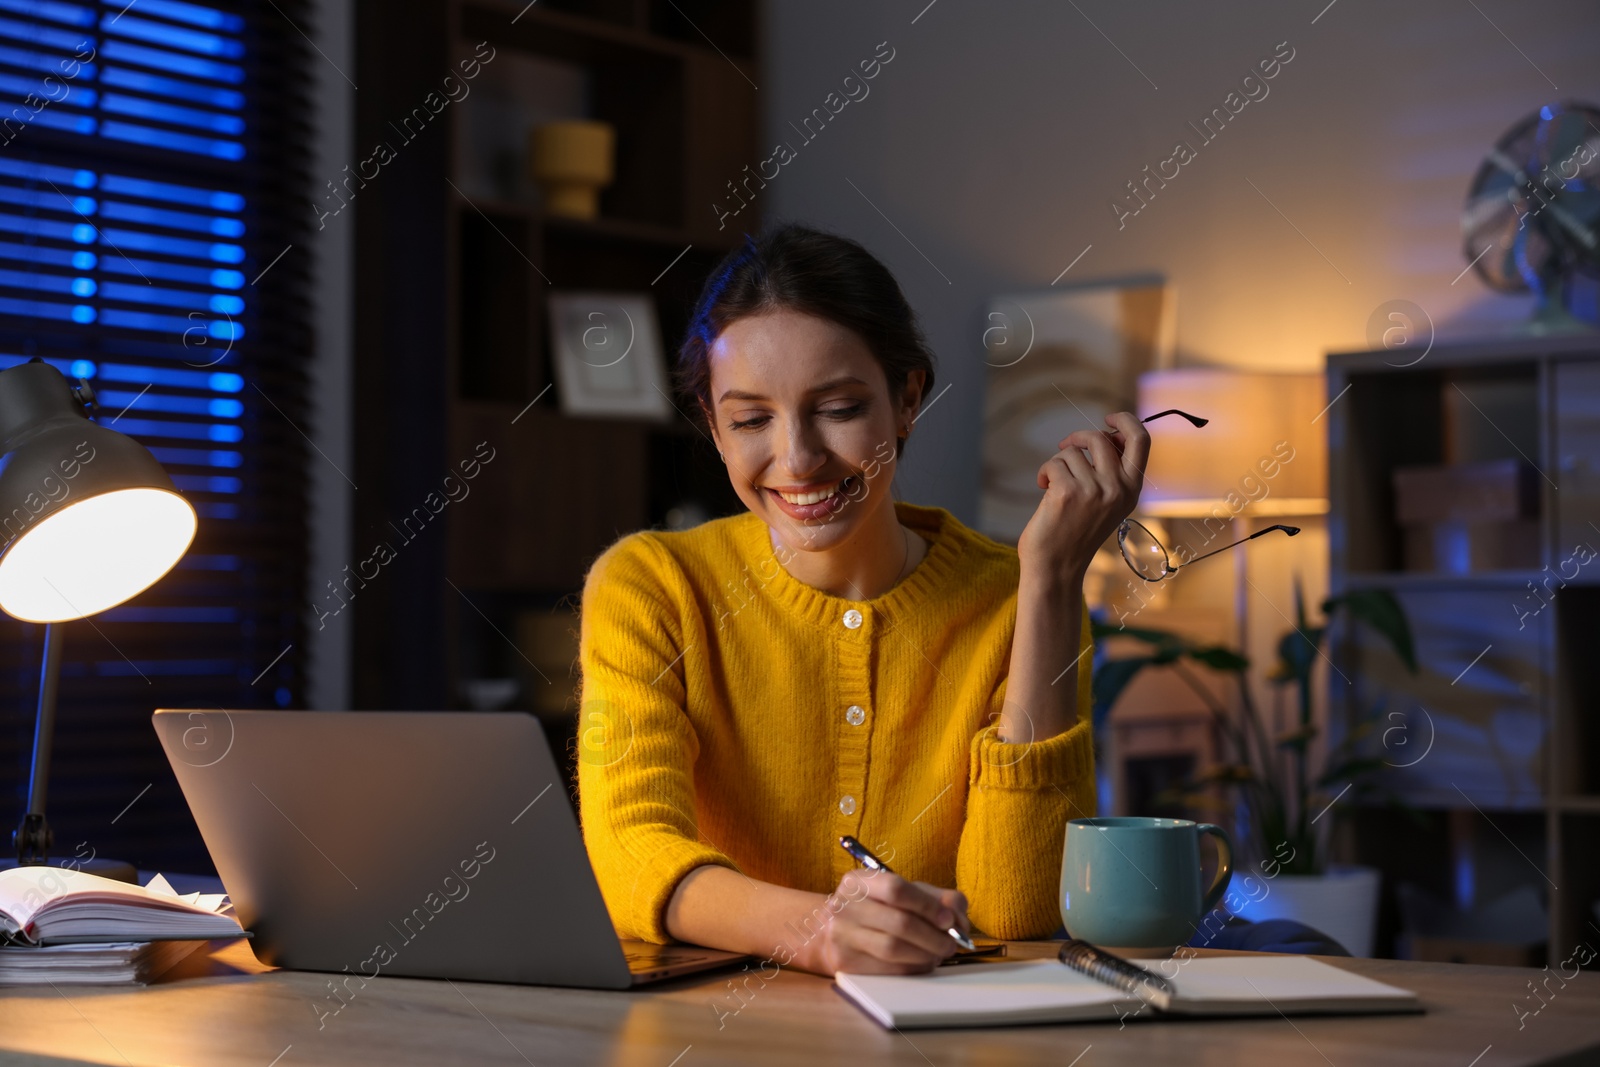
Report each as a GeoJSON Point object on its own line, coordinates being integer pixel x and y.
{"type": "Point", "coordinates": [94, 554]}
{"type": "Point", "coordinates": [1263, 449]}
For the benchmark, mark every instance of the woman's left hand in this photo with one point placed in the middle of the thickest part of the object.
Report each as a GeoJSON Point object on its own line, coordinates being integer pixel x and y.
{"type": "Point", "coordinates": [1085, 497]}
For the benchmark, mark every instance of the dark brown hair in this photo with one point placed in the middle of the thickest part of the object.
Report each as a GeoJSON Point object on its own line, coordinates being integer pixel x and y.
{"type": "Point", "coordinates": [796, 268]}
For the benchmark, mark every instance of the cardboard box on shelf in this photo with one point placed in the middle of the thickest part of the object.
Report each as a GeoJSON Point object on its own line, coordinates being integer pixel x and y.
{"type": "Point", "coordinates": [1465, 517]}
{"type": "Point", "coordinates": [1496, 491]}
{"type": "Point", "coordinates": [1468, 547]}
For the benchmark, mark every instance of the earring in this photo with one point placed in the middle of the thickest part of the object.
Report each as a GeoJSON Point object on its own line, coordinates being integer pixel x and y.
{"type": "Point", "coordinates": [721, 456]}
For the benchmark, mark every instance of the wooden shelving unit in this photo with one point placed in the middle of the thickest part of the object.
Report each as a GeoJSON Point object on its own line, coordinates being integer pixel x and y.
{"type": "Point", "coordinates": [1506, 705]}
{"type": "Point", "coordinates": [455, 258]}
{"type": "Point", "coordinates": [676, 81]}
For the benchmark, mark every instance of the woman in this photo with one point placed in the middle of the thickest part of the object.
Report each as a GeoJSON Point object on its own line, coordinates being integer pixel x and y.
{"type": "Point", "coordinates": [833, 662]}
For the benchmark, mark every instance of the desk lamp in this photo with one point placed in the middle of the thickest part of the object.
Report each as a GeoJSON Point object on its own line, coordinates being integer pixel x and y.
{"type": "Point", "coordinates": [88, 519]}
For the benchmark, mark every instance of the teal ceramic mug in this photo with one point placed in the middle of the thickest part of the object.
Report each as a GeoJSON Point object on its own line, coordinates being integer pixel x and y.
{"type": "Point", "coordinates": [1136, 882]}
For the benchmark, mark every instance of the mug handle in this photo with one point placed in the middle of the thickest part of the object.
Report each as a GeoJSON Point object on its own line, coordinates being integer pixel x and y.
{"type": "Point", "coordinates": [1219, 885]}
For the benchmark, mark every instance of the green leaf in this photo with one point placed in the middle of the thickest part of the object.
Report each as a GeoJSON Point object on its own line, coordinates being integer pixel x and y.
{"type": "Point", "coordinates": [1297, 652]}
{"type": "Point", "coordinates": [1220, 659]}
{"type": "Point", "coordinates": [1297, 739]}
{"type": "Point", "coordinates": [1187, 794]}
{"type": "Point", "coordinates": [1353, 769]}
{"type": "Point", "coordinates": [1379, 609]}
{"type": "Point", "coordinates": [1111, 678]}
{"type": "Point", "coordinates": [1227, 774]}
{"type": "Point", "coordinates": [1149, 636]}
{"type": "Point", "coordinates": [1363, 728]}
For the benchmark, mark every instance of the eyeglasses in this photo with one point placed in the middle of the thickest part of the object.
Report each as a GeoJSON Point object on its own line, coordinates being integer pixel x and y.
{"type": "Point", "coordinates": [1146, 555]}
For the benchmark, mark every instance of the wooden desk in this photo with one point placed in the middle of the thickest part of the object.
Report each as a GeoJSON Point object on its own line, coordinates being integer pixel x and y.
{"type": "Point", "coordinates": [233, 1016]}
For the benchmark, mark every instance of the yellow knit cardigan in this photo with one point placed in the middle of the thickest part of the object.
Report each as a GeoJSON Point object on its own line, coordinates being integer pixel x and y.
{"type": "Point", "coordinates": [732, 714]}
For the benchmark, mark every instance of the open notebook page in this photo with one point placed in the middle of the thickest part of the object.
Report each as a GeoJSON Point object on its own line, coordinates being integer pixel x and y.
{"type": "Point", "coordinates": [1049, 991]}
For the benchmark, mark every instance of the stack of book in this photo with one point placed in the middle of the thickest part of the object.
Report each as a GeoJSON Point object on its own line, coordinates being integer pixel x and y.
{"type": "Point", "coordinates": [58, 925]}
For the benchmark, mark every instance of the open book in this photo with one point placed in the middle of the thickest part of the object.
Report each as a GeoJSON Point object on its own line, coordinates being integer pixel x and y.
{"type": "Point", "coordinates": [57, 905]}
{"type": "Point", "coordinates": [1047, 991]}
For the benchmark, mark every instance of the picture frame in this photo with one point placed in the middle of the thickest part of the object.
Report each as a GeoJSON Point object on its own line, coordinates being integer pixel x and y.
{"type": "Point", "coordinates": [605, 351]}
{"type": "Point", "coordinates": [1057, 361]}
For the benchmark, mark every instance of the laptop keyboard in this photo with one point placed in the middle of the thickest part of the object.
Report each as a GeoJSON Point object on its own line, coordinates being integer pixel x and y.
{"type": "Point", "coordinates": [638, 959]}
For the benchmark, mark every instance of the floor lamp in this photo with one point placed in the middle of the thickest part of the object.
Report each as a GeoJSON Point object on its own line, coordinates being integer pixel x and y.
{"type": "Point", "coordinates": [1262, 456]}
{"type": "Point", "coordinates": [88, 519]}
{"type": "Point", "coordinates": [1236, 473]}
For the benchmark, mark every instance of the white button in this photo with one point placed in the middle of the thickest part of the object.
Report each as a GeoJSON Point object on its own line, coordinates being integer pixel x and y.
{"type": "Point", "coordinates": [852, 619]}
{"type": "Point", "coordinates": [855, 715]}
{"type": "Point", "coordinates": [847, 805]}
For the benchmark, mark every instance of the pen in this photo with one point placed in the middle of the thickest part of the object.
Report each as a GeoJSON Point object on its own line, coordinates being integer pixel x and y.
{"type": "Point", "coordinates": [871, 862]}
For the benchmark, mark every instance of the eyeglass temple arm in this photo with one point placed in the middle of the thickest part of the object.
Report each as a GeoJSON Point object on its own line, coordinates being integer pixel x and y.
{"type": "Point", "coordinates": [1290, 530]}
{"type": "Point", "coordinates": [1194, 420]}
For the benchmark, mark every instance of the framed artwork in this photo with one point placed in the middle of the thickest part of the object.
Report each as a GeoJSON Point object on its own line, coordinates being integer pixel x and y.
{"type": "Point", "coordinates": [606, 351]}
{"type": "Point", "coordinates": [1058, 361]}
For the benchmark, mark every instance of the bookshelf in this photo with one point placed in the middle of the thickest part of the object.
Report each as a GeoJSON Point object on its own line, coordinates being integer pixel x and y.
{"type": "Point", "coordinates": [684, 113]}
{"type": "Point", "coordinates": [1498, 735]}
{"type": "Point", "coordinates": [457, 248]}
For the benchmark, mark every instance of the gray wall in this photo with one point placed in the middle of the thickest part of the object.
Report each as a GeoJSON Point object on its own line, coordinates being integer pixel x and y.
{"type": "Point", "coordinates": [994, 142]}
{"type": "Point", "coordinates": [328, 650]}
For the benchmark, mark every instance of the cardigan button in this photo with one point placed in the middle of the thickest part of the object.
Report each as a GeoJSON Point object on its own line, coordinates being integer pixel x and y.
{"type": "Point", "coordinates": [855, 715]}
{"type": "Point", "coordinates": [847, 805]}
{"type": "Point", "coordinates": [852, 619]}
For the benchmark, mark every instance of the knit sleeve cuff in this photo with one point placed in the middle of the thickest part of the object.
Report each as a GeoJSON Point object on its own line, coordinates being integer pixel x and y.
{"type": "Point", "coordinates": [1057, 761]}
{"type": "Point", "coordinates": [659, 880]}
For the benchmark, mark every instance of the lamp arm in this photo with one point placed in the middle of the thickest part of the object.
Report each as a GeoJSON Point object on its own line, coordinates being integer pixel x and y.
{"type": "Point", "coordinates": [33, 838]}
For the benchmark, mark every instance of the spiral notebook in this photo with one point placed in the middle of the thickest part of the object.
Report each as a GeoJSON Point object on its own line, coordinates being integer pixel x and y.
{"type": "Point", "coordinates": [1047, 991]}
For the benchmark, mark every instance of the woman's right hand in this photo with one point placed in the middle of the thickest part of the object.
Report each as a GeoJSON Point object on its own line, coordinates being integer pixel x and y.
{"type": "Point", "coordinates": [883, 924]}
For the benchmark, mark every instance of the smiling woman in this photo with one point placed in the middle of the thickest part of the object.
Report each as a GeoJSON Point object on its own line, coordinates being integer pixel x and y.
{"type": "Point", "coordinates": [833, 661]}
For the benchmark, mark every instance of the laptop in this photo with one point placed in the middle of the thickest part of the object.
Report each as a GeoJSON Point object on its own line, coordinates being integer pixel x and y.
{"type": "Point", "coordinates": [422, 844]}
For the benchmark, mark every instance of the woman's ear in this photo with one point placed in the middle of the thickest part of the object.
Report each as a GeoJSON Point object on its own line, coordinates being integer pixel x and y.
{"type": "Point", "coordinates": [911, 396]}
{"type": "Point", "coordinates": [716, 431]}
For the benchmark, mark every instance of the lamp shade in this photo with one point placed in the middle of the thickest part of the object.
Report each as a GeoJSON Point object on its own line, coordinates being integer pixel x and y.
{"type": "Point", "coordinates": [1263, 453]}
{"type": "Point", "coordinates": [88, 516]}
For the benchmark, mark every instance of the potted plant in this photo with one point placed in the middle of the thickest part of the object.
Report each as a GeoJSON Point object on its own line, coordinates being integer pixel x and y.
{"type": "Point", "coordinates": [1284, 792]}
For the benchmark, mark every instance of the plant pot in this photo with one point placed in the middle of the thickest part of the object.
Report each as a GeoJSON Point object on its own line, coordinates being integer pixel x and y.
{"type": "Point", "coordinates": [1342, 903]}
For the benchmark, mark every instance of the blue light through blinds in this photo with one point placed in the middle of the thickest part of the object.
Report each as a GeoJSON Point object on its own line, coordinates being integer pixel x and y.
{"type": "Point", "coordinates": [119, 252]}
{"type": "Point", "coordinates": [153, 165]}
{"type": "Point", "coordinates": [146, 258]}
{"type": "Point", "coordinates": [86, 225]}
{"type": "Point", "coordinates": [164, 75]}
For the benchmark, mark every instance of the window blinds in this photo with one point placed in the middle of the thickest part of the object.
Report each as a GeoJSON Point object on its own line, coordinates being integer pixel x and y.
{"type": "Point", "coordinates": [152, 241]}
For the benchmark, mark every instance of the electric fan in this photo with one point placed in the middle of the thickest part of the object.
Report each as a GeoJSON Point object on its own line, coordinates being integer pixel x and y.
{"type": "Point", "coordinates": [1532, 217]}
